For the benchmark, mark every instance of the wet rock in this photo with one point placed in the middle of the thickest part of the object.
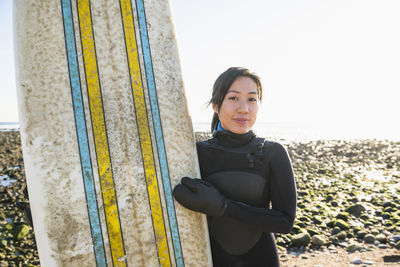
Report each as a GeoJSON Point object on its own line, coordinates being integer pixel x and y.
{"type": "Point", "coordinates": [312, 232]}
{"type": "Point", "coordinates": [334, 240]}
{"type": "Point", "coordinates": [386, 204]}
{"type": "Point", "coordinates": [301, 239]}
{"type": "Point", "coordinates": [352, 247]}
{"type": "Point", "coordinates": [395, 238]}
{"type": "Point", "coordinates": [356, 209]}
{"type": "Point", "coordinates": [343, 215]}
{"type": "Point", "coordinates": [318, 240]}
{"type": "Point", "coordinates": [381, 238]}
{"type": "Point", "coordinates": [369, 238]}
{"type": "Point", "coordinates": [335, 230]}
{"type": "Point", "coordinates": [341, 235]}
{"type": "Point", "coordinates": [382, 246]}
{"type": "Point", "coordinates": [342, 224]}
{"type": "Point", "coordinates": [21, 231]}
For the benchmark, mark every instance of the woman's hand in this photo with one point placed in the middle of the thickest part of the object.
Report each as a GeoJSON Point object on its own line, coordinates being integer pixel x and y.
{"type": "Point", "coordinates": [199, 195]}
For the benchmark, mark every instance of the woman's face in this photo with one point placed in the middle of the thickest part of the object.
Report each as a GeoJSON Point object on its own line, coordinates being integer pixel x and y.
{"type": "Point", "coordinates": [239, 108]}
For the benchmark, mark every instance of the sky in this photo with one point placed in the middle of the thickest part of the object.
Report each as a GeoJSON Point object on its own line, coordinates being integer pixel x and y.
{"type": "Point", "coordinates": [321, 61]}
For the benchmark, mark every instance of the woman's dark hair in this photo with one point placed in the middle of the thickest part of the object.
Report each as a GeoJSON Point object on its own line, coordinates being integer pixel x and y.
{"type": "Point", "coordinates": [224, 82]}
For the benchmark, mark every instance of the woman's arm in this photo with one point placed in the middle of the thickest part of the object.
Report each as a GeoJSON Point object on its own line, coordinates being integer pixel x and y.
{"type": "Point", "coordinates": [283, 196]}
{"type": "Point", "coordinates": [199, 195]}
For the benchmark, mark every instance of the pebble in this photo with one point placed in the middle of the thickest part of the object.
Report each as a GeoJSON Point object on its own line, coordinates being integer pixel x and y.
{"type": "Point", "coordinates": [368, 262]}
{"type": "Point", "coordinates": [395, 238]}
{"type": "Point", "coordinates": [369, 238]}
{"type": "Point", "coordinates": [352, 248]}
{"type": "Point", "coordinates": [318, 240]}
{"type": "Point", "coordinates": [356, 261]}
{"type": "Point", "coordinates": [381, 238]}
{"type": "Point", "coordinates": [382, 246]}
{"type": "Point", "coordinates": [6, 181]}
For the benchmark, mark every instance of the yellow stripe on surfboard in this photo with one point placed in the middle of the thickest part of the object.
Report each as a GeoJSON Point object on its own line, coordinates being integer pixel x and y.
{"type": "Point", "coordinates": [100, 135]}
{"type": "Point", "coordinates": [144, 133]}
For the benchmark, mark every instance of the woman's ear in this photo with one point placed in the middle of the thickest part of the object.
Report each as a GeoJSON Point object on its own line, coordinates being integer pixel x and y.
{"type": "Point", "coordinates": [215, 107]}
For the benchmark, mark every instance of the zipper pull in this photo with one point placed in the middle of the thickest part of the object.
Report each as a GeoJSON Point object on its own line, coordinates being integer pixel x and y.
{"type": "Point", "coordinates": [250, 157]}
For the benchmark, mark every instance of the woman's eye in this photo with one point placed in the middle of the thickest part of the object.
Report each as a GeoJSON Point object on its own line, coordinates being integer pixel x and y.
{"type": "Point", "coordinates": [234, 98]}
{"type": "Point", "coordinates": [253, 99]}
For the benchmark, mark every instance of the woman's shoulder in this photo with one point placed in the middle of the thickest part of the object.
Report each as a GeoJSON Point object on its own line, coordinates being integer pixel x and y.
{"type": "Point", "coordinates": [271, 146]}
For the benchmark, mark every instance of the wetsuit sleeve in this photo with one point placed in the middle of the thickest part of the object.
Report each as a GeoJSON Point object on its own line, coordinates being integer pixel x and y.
{"type": "Point", "coordinates": [283, 197]}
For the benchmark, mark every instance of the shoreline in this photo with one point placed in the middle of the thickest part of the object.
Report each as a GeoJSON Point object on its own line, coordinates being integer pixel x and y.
{"type": "Point", "coordinates": [348, 203]}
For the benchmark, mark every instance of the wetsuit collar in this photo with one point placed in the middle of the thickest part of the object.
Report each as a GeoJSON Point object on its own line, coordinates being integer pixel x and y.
{"type": "Point", "coordinates": [227, 138]}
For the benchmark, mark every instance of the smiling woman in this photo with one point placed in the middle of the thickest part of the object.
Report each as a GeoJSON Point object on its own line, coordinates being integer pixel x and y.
{"type": "Point", "coordinates": [239, 110]}
{"type": "Point", "coordinates": [247, 187]}
{"type": "Point", "coordinates": [235, 100]}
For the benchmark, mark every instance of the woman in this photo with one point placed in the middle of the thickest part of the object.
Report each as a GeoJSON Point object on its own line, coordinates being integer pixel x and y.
{"type": "Point", "coordinates": [248, 189]}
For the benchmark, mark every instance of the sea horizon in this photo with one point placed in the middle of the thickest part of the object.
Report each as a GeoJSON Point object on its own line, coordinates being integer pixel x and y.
{"type": "Point", "coordinates": [297, 131]}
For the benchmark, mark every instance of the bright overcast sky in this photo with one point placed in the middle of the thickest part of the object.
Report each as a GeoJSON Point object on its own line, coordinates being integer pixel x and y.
{"type": "Point", "coordinates": [321, 61]}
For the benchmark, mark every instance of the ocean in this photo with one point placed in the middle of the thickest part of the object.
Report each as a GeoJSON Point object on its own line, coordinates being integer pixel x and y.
{"type": "Point", "coordinates": [299, 131]}
{"type": "Point", "coordinates": [319, 131]}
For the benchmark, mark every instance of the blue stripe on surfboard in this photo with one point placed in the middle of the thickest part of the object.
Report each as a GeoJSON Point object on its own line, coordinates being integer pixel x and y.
{"type": "Point", "coordinates": [158, 132]}
{"type": "Point", "coordinates": [81, 131]}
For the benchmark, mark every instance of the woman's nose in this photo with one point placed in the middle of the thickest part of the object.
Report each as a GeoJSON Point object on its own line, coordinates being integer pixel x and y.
{"type": "Point", "coordinates": [243, 107]}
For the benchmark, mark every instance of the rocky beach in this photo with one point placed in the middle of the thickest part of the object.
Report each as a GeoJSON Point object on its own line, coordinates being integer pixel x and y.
{"type": "Point", "coordinates": [348, 210]}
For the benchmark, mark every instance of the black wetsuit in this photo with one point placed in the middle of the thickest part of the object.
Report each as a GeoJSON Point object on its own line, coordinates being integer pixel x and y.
{"type": "Point", "coordinates": [257, 176]}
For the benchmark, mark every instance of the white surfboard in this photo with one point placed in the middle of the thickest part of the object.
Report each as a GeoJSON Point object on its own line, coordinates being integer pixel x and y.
{"type": "Point", "coordinates": [106, 134]}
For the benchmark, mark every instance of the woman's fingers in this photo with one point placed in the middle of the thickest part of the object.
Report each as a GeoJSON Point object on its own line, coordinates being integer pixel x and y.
{"type": "Point", "coordinates": [184, 195]}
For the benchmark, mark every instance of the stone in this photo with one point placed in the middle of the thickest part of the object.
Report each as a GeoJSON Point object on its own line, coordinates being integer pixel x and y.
{"type": "Point", "coordinates": [341, 235]}
{"type": "Point", "coordinates": [342, 224]}
{"type": "Point", "coordinates": [318, 240]}
{"type": "Point", "coordinates": [381, 238]}
{"type": "Point", "coordinates": [370, 239]}
{"type": "Point", "coordinates": [334, 203]}
{"type": "Point", "coordinates": [382, 246]}
{"type": "Point", "coordinates": [356, 261]}
{"type": "Point", "coordinates": [397, 245]}
{"type": "Point", "coordinates": [21, 231]}
{"type": "Point", "coordinates": [388, 204]}
{"type": "Point", "coordinates": [296, 228]}
{"type": "Point", "coordinates": [313, 232]}
{"type": "Point", "coordinates": [317, 220]}
{"type": "Point", "coordinates": [301, 239]}
{"type": "Point", "coordinates": [356, 209]}
{"type": "Point", "coordinates": [343, 215]}
{"type": "Point", "coordinates": [352, 248]}
{"type": "Point", "coordinates": [335, 230]}
{"type": "Point", "coordinates": [331, 223]}
{"type": "Point", "coordinates": [334, 240]}
{"type": "Point", "coordinates": [368, 262]}
{"type": "Point", "coordinates": [361, 234]}
{"type": "Point", "coordinates": [395, 238]}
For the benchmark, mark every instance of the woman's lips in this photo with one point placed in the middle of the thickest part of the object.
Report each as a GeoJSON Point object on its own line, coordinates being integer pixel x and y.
{"type": "Point", "coordinates": [241, 121]}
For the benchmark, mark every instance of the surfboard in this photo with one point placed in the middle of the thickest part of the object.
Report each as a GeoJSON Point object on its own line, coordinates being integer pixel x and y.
{"type": "Point", "coordinates": [106, 134]}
